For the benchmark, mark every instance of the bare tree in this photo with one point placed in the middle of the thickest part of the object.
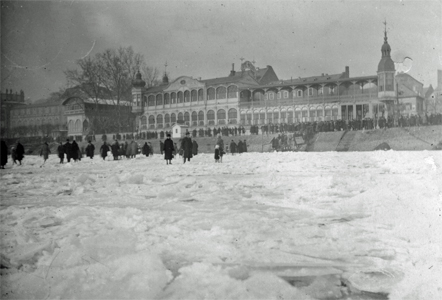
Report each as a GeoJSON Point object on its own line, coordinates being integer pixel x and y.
{"type": "Point", "coordinates": [107, 76]}
{"type": "Point", "coordinates": [151, 76]}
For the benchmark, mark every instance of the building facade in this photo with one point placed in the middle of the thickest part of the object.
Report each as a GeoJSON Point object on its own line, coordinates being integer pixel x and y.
{"type": "Point", "coordinates": [8, 101]}
{"type": "Point", "coordinates": [86, 116]}
{"type": "Point", "coordinates": [256, 96]}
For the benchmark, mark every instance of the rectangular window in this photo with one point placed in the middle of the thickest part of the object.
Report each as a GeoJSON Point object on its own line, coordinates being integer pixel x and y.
{"type": "Point", "coordinates": [299, 93]}
{"type": "Point", "coordinates": [310, 91]}
{"type": "Point", "coordinates": [389, 84]}
{"type": "Point", "coordinates": [286, 94]}
{"type": "Point", "coordinates": [271, 96]}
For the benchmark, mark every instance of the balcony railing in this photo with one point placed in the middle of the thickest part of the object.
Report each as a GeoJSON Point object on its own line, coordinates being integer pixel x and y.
{"type": "Point", "coordinates": [245, 103]}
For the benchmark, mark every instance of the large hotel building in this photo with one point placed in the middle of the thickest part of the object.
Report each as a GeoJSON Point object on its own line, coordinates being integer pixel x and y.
{"type": "Point", "coordinates": [257, 96]}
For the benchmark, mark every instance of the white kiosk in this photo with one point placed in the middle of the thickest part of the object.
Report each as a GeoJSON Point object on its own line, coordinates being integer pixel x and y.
{"type": "Point", "coordinates": [179, 130]}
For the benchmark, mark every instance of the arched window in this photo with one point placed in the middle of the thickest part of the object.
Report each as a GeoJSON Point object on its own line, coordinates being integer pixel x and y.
{"type": "Point", "coordinates": [180, 97]}
{"type": "Point", "coordinates": [151, 100]}
{"type": "Point", "coordinates": [173, 97]}
{"type": "Point", "coordinates": [70, 125]}
{"type": "Point", "coordinates": [211, 93]}
{"type": "Point", "coordinates": [319, 111]}
{"type": "Point", "coordinates": [262, 117]}
{"type": "Point", "coordinates": [144, 101]}
{"type": "Point", "coordinates": [85, 125]}
{"type": "Point", "coordinates": [194, 95]}
{"type": "Point", "coordinates": [304, 112]}
{"type": "Point", "coordinates": [200, 95]}
{"type": "Point", "coordinates": [180, 118]}
{"type": "Point", "coordinates": [276, 115]}
{"type": "Point", "coordinates": [166, 119]}
{"type": "Point", "coordinates": [187, 118]}
{"type": "Point", "coordinates": [186, 96]}
{"type": "Point", "coordinates": [201, 118]}
{"type": "Point", "coordinates": [143, 122]}
{"type": "Point", "coordinates": [221, 114]}
{"type": "Point", "coordinates": [194, 116]}
{"type": "Point", "coordinates": [211, 117]}
{"type": "Point", "coordinates": [221, 93]}
{"type": "Point", "coordinates": [258, 95]}
{"type": "Point", "coordinates": [166, 98]}
{"type": "Point", "coordinates": [77, 126]}
{"type": "Point", "coordinates": [233, 116]}
{"type": "Point", "coordinates": [160, 121]}
{"type": "Point", "coordinates": [151, 121]}
{"type": "Point", "coordinates": [159, 99]}
{"type": "Point", "coordinates": [172, 118]}
{"type": "Point", "coordinates": [298, 114]}
{"type": "Point", "coordinates": [299, 93]}
{"type": "Point", "coordinates": [232, 91]}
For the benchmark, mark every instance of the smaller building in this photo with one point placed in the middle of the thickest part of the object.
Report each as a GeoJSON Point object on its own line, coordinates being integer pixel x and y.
{"type": "Point", "coordinates": [8, 101]}
{"type": "Point", "coordinates": [179, 130]}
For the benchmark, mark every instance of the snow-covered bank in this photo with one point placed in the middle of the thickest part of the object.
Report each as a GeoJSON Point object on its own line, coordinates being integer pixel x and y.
{"type": "Point", "coordinates": [270, 226]}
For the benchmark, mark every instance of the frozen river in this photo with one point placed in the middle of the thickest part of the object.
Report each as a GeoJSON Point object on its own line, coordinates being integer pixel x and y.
{"type": "Point", "coordinates": [258, 226]}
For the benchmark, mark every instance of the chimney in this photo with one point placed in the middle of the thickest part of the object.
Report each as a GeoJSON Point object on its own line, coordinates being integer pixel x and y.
{"type": "Point", "coordinates": [347, 71]}
{"type": "Point", "coordinates": [232, 73]}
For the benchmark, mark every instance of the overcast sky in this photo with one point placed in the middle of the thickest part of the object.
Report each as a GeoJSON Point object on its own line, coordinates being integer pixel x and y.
{"type": "Point", "coordinates": [41, 39]}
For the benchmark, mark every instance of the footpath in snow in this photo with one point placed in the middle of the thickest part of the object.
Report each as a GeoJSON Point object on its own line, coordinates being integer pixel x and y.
{"type": "Point", "coordinates": [257, 226]}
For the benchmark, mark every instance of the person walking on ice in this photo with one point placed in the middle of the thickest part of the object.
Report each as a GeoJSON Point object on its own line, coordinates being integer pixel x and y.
{"type": "Point", "coordinates": [168, 149]}
{"type": "Point", "coordinates": [187, 146]}
{"type": "Point", "coordinates": [45, 151]}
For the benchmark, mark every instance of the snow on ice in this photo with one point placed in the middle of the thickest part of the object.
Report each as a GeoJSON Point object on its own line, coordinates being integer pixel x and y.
{"type": "Point", "coordinates": [331, 225]}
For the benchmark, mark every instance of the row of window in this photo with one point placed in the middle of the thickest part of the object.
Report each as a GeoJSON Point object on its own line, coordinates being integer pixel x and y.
{"type": "Point", "coordinates": [37, 110]}
{"type": "Point", "coordinates": [189, 96]}
{"type": "Point", "coordinates": [297, 93]}
{"type": "Point", "coordinates": [27, 122]}
{"type": "Point", "coordinates": [194, 116]}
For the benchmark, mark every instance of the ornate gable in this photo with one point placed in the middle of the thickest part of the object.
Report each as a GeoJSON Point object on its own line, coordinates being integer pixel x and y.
{"type": "Point", "coordinates": [184, 83]}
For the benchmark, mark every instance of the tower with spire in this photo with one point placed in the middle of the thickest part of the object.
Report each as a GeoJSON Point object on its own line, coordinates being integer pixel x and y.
{"type": "Point", "coordinates": [386, 71]}
{"type": "Point", "coordinates": [138, 85]}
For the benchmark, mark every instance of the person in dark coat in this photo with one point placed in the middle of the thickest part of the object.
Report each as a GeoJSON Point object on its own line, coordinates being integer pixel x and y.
{"type": "Point", "coordinates": [68, 150]}
{"type": "Point", "coordinates": [217, 156]}
{"type": "Point", "coordinates": [187, 146]}
{"type": "Point", "coordinates": [244, 146]}
{"type": "Point", "coordinates": [133, 149]}
{"type": "Point", "coordinates": [168, 149]}
{"type": "Point", "coordinates": [45, 151]}
{"type": "Point", "coordinates": [194, 147]}
{"type": "Point", "coordinates": [220, 143]}
{"type": "Point", "coordinates": [115, 149]}
{"type": "Point", "coordinates": [240, 147]}
{"type": "Point", "coordinates": [19, 152]}
{"type": "Point", "coordinates": [161, 147]}
{"type": "Point", "coordinates": [233, 147]}
{"type": "Point", "coordinates": [75, 151]}
{"type": "Point", "coordinates": [150, 148]}
{"type": "Point", "coordinates": [60, 151]}
{"type": "Point", "coordinates": [145, 150]}
{"type": "Point", "coordinates": [4, 155]}
{"type": "Point", "coordinates": [103, 150]}
{"type": "Point", "coordinates": [90, 150]}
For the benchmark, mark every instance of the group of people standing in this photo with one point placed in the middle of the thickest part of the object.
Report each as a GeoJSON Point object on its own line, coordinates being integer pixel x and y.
{"type": "Point", "coordinates": [17, 153]}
